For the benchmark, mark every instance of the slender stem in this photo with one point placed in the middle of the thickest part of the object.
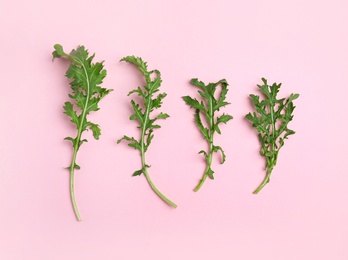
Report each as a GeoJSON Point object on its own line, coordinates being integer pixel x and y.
{"type": "Point", "coordinates": [153, 187]}
{"type": "Point", "coordinates": [265, 180]}
{"type": "Point", "coordinates": [72, 193]}
{"type": "Point", "coordinates": [210, 141]}
{"type": "Point", "coordinates": [270, 161]}
{"type": "Point", "coordinates": [201, 181]}
{"type": "Point", "coordinates": [143, 162]}
{"type": "Point", "coordinates": [159, 194]}
{"type": "Point", "coordinates": [205, 175]}
{"type": "Point", "coordinates": [76, 147]}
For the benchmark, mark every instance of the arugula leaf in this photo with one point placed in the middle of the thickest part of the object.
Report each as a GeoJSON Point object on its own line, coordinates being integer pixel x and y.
{"type": "Point", "coordinates": [85, 80]}
{"type": "Point", "coordinates": [143, 115]}
{"type": "Point", "coordinates": [271, 121]}
{"type": "Point", "coordinates": [207, 108]}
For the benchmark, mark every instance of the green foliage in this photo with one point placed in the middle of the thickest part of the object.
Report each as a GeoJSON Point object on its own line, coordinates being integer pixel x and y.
{"type": "Point", "coordinates": [271, 121]}
{"type": "Point", "coordinates": [207, 107]}
{"type": "Point", "coordinates": [151, 100]}
{"type": "Point", "coordinates": [86, 78]}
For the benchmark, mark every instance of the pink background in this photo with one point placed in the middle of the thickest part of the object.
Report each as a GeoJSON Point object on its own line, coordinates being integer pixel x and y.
{"type": "Point", "coordinates": [301, 214]}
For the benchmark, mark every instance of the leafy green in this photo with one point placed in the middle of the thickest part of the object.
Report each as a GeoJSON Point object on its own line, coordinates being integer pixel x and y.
{"type": "Point", "coordinates": [207, 108]}
{"type": "Point", "coordinates": [142, 114]}
{"type": "Point", "coordinates": [85, 80]}
{"type": "Point", "coordinates": [271, 121]}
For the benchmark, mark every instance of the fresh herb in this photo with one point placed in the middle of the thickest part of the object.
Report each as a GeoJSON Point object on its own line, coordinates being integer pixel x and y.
{"type": "Point", "coordinates": [147, 124]}
{"type": "Point", "coordinates": [86, 79]}
{"type": "Point", "coordinates": [208, 109]}
{"type": "Point", "coordinates": [271, 121]}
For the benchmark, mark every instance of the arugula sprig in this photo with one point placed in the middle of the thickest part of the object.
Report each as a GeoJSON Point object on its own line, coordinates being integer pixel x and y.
{"type": "Point", "coordinates": [271, 121]}
{"type": "Point", "coordinates": [208, 109]}
{"type": "Point", "coordinates": [147, 124]}
{"type": "Point", "coordinates": [86, 79]}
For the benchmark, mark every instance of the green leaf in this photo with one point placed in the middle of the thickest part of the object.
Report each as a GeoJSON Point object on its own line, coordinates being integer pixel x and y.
{"type": "Point", "coordinates": [270, 120]}
{"type": "Point", "coordinates": [58, 51]}
{"type": "Point", "coordinates": [264, 88]}
{"type": "Point", "coordinates": [141, 65]}
{"type": "Point", "coordinates": [293, 97]}
{"type": "Point", "coordinates": [92, 105]}
{"type": "Point", "coordinates": [218, 148]}
{"type": "Point", "coordinates": [138, 112]}
{"type": "Point", "coordinates": [221, 101]}
{"type": "Point", "coordinates": [153, 85]}
{"type": "Point", "coordinates": [255, 99]}
{"type": "Point", "coordinates": [139, 91]}
{"type": "Point", "coordinates": [157, 102]}
{"type": "Point", "coordinates": [250, 117]}
{"type": "Point", "coordinates": [203, 129]}
{"type": "Point", "coordinates": [207, 107]}
{"type": "Point", "coordinates": [162, 116]}
{"type": "Point", "coordinates": [131, 142]}
{"type": "Point", "coordinates": [80, 98]}
{"type": "Point", "coordinates": [95, 129]}
{"type": "Point", "coordinates": [194, 103]}
{"type": "Point", "coordinates": [281, 142]}
{"type": "Point", "coordinates": [70, 139]}
{"type": "Point", "coordinates": [86, 78]}
{"type": "Point", "coordinates": [288, 132]}
{"type": "Point", "coordinates": [210, 173]}
{"type": "Point", "coordinates": [217, 129]}
{"type": "Point", "coordinates": [223, 119]}
{"type": "Point", "coordinates": [69, 110]}
{"type": "Point", "coordinates": [197, 83]}
{"type": "Point", "coordinates": [137, 173]}
{"type": "Point", "coordinates": [204, 153]}
{"type": "Point", "coordinates": [150, 136]}
{"type": "Point", "coordinates": [149, 102]}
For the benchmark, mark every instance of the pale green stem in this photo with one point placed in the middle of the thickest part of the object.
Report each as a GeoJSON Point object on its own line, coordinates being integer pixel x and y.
{"type": "Point", "coordinates": [76, 147]}
{"type": "Point", "coordinates": [264, 182]}
{"type": "Point", "coordinates": [205, 175]}
{"type": "Point", "coordinates": [72, 190]}
{"type": "Point", "coordinates": [210, 141]}
{"type": "Point", "coordinates": [273, 159]}
{"type": "Point", "coordinates": [143, 162]}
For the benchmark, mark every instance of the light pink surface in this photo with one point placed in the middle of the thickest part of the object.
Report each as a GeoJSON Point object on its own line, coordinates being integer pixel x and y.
{"type": "Point", "coordinates": [301, 214]}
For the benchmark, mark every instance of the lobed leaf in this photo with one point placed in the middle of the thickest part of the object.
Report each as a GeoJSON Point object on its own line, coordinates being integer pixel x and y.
{"type": "Point", "coordinates": [221, 101]}
{"type": "Point", "coordinates": [147, 126]}
{"type": "Point", "coordinates": [131, 142]}
{"type": "Point", "coordinates": [139, 115]}
{"type": "Point", "coordinates": [157, 102]}
{"type": "Point", "coordinates": [194, 103]}
{"type": "Point", "coordinates": [218, 148]}
{"type": "Point", "coordinates": [197, 83]}
{"type": "Point", "coordinates": [86, 78]}
{"type": "Point", "coordinates": [137, 173]}
{"type": "Point", "coordinates": [270, 120]}
{"type": "Point", "coordinates": [139, 91]}
{"type": "Point", "coordinates": [204, 153]}
{"type": "Point", "coordinates": [210, 173]}
{"type": "Point", "coordinates": [204, 130]}
{"type": "Point", "coordinates": [208, 106]}
{"type": "Point", "coordinates": [141, 65]}
{"type": "Point", "coordinates": [162, 116]}
{"type": "Point", "coordinates": [95, 129]}
{"type": "Point", "coordinates": [69, 110]}
{"type": "Point", "coordinates": [224, 118]}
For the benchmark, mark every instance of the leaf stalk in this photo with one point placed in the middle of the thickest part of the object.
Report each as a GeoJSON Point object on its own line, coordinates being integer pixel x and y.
{"type": "Point", "coordinates": [143, 161]}
{"type": "Point", "coordinates": [72, 187]}
{"type": "Point", "coordinates": [205, 175]}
